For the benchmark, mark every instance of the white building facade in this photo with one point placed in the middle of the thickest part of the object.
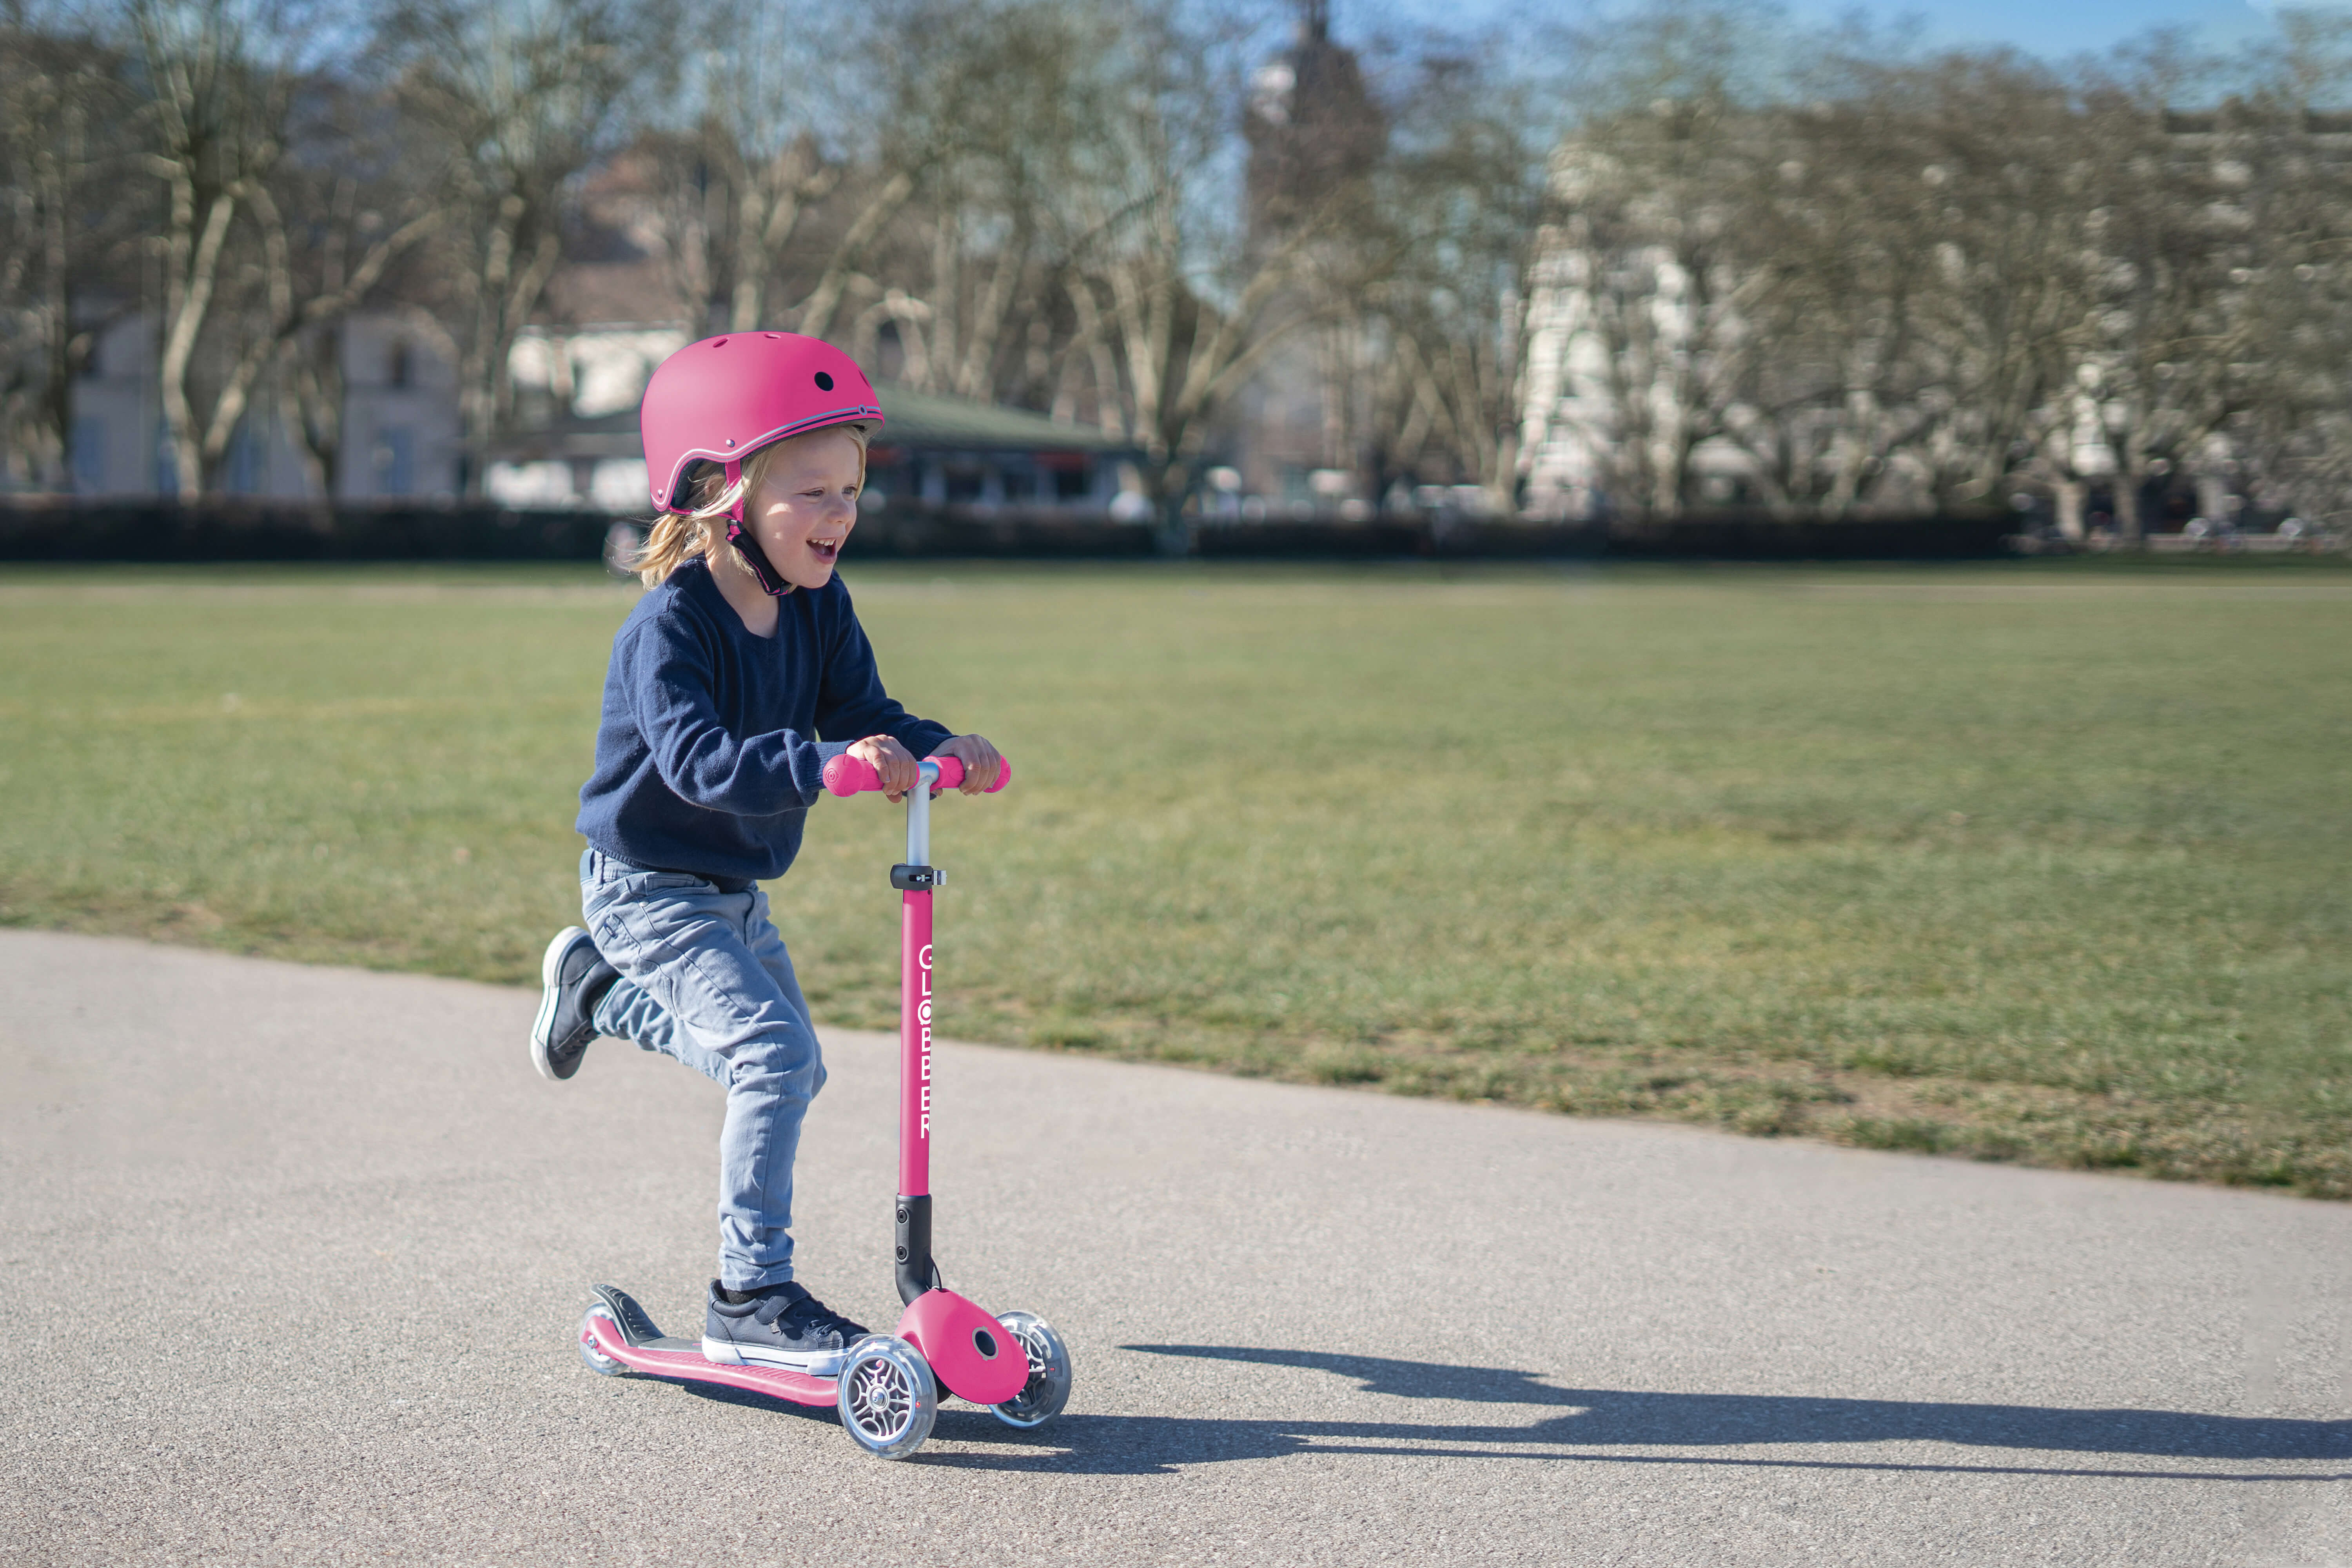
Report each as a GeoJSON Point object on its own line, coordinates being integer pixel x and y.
{"type": "Point", "coordinates": [400, 434]}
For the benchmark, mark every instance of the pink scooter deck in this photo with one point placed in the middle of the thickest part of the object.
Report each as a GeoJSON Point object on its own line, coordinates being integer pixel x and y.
{"type": "Point", "coordinates": [661, 1356]}
{"type": "Point", "coordinates": [970, 1353]}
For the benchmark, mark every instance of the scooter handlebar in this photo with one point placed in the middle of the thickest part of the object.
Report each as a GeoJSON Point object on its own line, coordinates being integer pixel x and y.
{"type": "Point", "coordinates": [848, 776]}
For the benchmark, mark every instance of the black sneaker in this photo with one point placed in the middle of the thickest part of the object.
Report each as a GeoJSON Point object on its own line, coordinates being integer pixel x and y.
{"type": "Point", "coordinates": [573, 977]}
{"type": "Point", "coordinates": [782, 1326]}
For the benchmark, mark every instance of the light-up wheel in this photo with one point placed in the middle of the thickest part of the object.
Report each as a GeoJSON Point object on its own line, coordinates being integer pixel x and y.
{"type": "Point", "coordinates": [1048, 1388]}
{"type": "Point", "coordinates": [886, 1397]}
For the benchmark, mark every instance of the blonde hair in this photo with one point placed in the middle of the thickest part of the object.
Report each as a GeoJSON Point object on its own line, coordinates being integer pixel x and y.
{"type": "Point", "coordinates": [673, 538]}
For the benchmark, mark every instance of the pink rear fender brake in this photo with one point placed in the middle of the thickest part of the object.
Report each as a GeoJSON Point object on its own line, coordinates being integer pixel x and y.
{"type": "Point", "coordinates": [973, 1356]}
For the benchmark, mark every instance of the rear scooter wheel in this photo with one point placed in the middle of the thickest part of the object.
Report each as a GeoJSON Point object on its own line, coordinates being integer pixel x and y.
{"type": "Point", "coordinates": [886, 1397]}
{"type": "Point", "coordinates": [1048, 1388]}
{"type": "Point", "coordinates": [598, 1362]}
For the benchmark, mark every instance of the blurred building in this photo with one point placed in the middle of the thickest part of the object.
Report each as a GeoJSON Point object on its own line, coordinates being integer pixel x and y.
{"type": "Point", "coordinates": [1311, 125]}
{"type": "Point", "coordinates": [1585, 394]}
{"type": "Point", "coordinates": [576, 396]}
{"type": "Point", "coordinates": [1578, 389]}
{"type": "Point", "coordinates": [1617, 326]}
{"type": "Point", "coordinates": [390, 428]}
{"type": "Point", "coordinates": [1313, 131]}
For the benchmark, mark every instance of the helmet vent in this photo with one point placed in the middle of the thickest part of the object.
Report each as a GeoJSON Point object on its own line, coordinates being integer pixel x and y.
{"type": "Point", "coordinates": [823, 382]}
{"type": "Point", "coordinates": [718, 343]}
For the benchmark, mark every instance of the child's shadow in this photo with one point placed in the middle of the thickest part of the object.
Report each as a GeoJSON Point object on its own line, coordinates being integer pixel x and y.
{"type": "Point", "coordinates": [1602, 1419]}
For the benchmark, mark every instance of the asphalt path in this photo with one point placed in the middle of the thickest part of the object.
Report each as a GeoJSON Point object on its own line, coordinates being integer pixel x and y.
{"type": "Point", "coordinates": [291, 1260]}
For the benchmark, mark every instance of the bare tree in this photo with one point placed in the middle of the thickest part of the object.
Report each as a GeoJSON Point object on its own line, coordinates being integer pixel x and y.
{"type": "Point", "coordinates": [1935, 221]}
{"type": "Point", "coordinates": [1010, 105]}
{"type": "Point", "coordinates": [2224, 233]}
{"type": "Point", "coordinates": [2297, 437]}
{"type": "Point", "coordinates": [225, 118]}
{"type": "Point", "coordinates": [767, 131]}
{"type": "Point", "coordinates": [1462, 198]}
{"type": "Point", "coordinates": [796, 187]}
{"type": "Point", "coordinates": [63, 213]}
{"type": "Point", "coordinates": [1648, 267]}
{"type": "Point", "coordinates": [514, 101]}
{"type": "Point", "coordinates": [1173, 302]}
{"type": "Point", "coordinates": [1650, 255]}
{"type": "Point", "coordinates": [219, 83]}
{"type": "Point", "coordinates": [360, 208]}
{"type": "Point", "coordinates": [1815, 272]}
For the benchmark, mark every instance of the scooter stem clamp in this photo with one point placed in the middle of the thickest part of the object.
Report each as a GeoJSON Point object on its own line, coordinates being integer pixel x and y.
{"type": "Point", "coordinates": [917, 879]}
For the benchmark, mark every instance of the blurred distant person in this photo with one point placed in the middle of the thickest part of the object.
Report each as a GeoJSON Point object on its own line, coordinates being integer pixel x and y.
{"type": "Point", "coordinates": [623, 541]}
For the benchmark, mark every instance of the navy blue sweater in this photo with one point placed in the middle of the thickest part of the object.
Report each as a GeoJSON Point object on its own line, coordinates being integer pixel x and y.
{"type": "Point", "coordinates": [707, 758]}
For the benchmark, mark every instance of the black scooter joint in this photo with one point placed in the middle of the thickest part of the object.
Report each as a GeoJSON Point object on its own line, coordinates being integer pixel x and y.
{"type": "Point", "coordinates": [917, 879]}
{"type": "Point", "coordinates": [917, 1272]}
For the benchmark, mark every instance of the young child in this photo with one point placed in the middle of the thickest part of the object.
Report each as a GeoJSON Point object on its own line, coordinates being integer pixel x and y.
{"type": "Point", "coordinates": [738, 676]}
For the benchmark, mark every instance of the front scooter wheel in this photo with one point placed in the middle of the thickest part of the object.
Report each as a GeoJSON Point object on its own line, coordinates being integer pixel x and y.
{"type": "Point", "coordinates": [886, 1397]}
{"type": "Point", "coordinates": [1048, 1388]}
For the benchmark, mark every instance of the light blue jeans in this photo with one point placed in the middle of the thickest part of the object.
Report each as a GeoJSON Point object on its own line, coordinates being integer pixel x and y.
{"type": "Point", "coordinates": [705, 979]}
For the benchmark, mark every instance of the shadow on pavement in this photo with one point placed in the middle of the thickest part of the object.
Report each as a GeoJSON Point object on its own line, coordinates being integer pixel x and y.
{"type": "Point", "coordinates": [1153, 1445]}
{"type": "Point", "coordinates": [1606, 1416]}
{"type": "Point", "coordinates": [1600, 1420]}
{"type": "Point", "coordinates": [719, 1393]}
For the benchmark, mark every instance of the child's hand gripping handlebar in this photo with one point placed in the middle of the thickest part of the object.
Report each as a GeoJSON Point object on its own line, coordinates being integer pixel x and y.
{"type": "Point", "coordinates": [848, 776]}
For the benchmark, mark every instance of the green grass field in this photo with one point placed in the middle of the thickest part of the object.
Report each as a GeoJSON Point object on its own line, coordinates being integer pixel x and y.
{"type": "Point", "coordinates": [2043, 862]}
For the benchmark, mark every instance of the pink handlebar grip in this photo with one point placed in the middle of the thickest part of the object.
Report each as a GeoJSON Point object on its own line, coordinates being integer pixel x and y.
{"type": "Point", "coordinates": [848, 776]}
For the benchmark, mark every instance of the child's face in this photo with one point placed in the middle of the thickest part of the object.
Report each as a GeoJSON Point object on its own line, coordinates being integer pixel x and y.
{"type": "Point", "coordinates": [805, 505]}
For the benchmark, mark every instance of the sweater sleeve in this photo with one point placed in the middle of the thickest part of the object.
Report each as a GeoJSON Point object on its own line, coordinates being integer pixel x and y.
{"type": "Point", "coordinates": [851, 703]}
{"type": "Point", "coordinates": [671, 673]}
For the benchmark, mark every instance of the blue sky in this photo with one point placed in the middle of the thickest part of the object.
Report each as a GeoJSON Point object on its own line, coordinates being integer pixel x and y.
{"type": "Point", "coordinates": [2052, 29]}
{"type": "Point", "coordinates": [2060, 27]}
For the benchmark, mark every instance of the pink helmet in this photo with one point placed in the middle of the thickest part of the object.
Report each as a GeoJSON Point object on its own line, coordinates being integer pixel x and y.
{"type": "Point", "coordinates": [722, 399]}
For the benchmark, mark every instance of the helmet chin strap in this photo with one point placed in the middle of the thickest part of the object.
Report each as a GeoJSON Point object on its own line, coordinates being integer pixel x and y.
{"type": "Point", "coordinates": [745, 545]}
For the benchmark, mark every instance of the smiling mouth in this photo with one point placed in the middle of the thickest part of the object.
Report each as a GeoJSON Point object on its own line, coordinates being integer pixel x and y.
{"type": "Point", "coordinates": [825, 549]}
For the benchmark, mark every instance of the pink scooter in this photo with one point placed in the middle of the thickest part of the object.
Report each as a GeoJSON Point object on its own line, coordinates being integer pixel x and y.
{"type": "Point", "coordinates": [887, 1390]}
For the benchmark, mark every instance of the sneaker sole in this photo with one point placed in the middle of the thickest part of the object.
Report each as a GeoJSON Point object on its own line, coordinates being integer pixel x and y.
{"type": "Point", "coordinates": [548, 997]}
{"type": "Point", "coordinates": [815, 1363]}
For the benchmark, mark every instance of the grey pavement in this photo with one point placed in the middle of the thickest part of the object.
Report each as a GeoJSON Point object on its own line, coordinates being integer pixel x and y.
{"type": "Point", "coordinates": [292, 1257]}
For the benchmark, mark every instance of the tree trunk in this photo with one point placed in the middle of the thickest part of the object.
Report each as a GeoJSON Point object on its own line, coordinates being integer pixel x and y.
{"type": "Point", "coordinates": [192, 294]}
{"type": "Point", "coordinates": [64, 364]}
{"type": "Point", "coordinates": [751, 293]}
{"type": "Point", "coordinates": [2069, 496]}
{"type": "Point", "coordinates": [815, 314]}
{"type": "Point", "coordinates": [1503, 485]}
{"type": "Point", "coordinates": [2131, 487]}
{"type": "Point", "coordinates": [1172, 536]}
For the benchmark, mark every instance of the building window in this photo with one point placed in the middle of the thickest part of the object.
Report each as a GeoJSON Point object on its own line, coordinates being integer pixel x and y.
{"type": "Point", "coordinates": [1064, 476]}
{"type": "Point", "coordinates": [85, 454]}
{"type": "Point", "coordinates": [245, 462]}
{"type": "Point", "coordinates": [395, 460]}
